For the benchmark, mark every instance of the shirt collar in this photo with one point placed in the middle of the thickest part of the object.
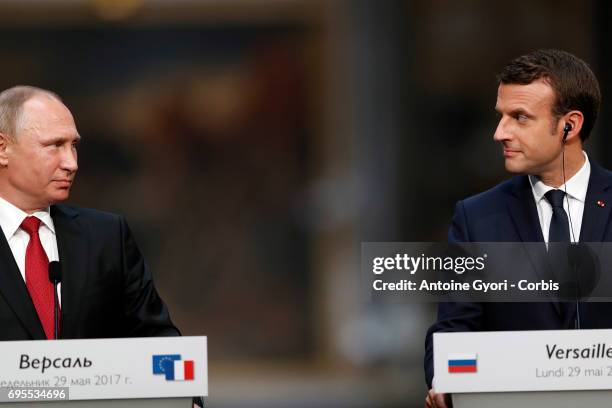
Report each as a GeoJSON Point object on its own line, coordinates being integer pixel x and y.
{"type": "Point", "coordinates": [11, 218]}
{"type": "Point", "coordinates": [576, 187]}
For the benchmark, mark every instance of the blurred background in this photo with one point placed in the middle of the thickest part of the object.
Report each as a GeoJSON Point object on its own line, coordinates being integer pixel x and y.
{"type": "Point", "coordinates": [254, 144]}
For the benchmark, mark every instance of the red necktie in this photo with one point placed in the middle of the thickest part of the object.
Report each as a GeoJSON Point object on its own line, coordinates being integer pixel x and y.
{"type": "Point", "coordinates": [37, 276]}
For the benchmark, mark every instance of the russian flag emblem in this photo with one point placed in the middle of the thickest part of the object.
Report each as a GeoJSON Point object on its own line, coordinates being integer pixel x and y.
{"type": "Point", "coordinates": [462, 363]}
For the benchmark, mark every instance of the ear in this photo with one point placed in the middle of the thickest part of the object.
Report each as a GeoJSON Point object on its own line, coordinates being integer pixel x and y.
{"type": "Point", "coordinates": [5, 142]}
{"type": "Point", "coordinates": [575, 119]}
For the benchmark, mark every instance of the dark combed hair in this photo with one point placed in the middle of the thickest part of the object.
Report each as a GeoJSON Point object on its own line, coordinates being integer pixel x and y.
{"type": "Point", "coordinates": [573, 82]}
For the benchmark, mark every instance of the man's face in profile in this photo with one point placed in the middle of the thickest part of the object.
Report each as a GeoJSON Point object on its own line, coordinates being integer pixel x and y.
{"type": "Point", "coordinates": [527, 130]}
{"type": "Point", "coordinates": [42, 161]}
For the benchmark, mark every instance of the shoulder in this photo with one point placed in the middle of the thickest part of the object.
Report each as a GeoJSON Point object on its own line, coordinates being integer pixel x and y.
{"type": "Point", "coordinates": [497, 196]}
{"type": "Point", "coordinates": [600, 177]}
{"type": "Point", "coordinates": [483, 217]}
{"type": "Point", "coordinates": [86, 215]}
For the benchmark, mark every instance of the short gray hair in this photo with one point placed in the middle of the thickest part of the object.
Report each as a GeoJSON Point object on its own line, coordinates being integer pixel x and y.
{"type": "Point", "coordinates": [11, 106]}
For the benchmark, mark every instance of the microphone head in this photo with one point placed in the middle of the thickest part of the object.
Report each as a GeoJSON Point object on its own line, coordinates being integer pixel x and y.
{"type": "Point", "coordinates": [55, 272]}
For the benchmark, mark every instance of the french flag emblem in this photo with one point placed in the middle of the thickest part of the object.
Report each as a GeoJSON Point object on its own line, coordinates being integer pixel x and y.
{"type": "Point", "coordinates": [180, 370]}
{"type": "Point", "coordinates": [462, 363]}
{"type": "Point", "coordinates": [173, 367]}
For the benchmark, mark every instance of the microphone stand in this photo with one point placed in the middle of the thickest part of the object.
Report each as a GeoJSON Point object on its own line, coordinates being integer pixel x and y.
{"type": "Point", "coordinates": [55, 311]}
{"type": "Point", "coordinates": [55, 276]}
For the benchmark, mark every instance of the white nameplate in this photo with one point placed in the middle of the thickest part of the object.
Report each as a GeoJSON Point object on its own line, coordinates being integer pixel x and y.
{"type": "Point", "coordinates": [546, 360]}
{"type": "Point", "coordinates": [153, 367]}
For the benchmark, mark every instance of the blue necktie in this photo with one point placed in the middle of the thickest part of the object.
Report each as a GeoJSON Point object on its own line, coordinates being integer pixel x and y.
{"type": "Point", "coordinates": [559, 232]}
{"type": "Point", "coordinates": [559, 225]}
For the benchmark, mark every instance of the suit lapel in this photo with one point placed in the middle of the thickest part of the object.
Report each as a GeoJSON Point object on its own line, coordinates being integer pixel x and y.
{"type": "Point", "coordinates": [523, 211]}
{"type": "Point", "coordinates": [14, 290]}
{"type": "Point", "coordinates": [73, 250]}
{"type": "Point", "coordinates": [595, 216]}
{"type": "Point", "coordinates": [522, 208]}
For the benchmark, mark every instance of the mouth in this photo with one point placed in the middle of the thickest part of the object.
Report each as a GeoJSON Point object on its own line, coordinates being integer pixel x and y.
{"type": "Point", "coordinates": [63, 183]}
{"type": "Point", "coordinates": [509, 153]}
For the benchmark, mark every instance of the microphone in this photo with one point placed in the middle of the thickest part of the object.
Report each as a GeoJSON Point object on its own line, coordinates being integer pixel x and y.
{"type": "Point", "coordinates": [55, 276]}
{"type": "Point", "coordinates": [572, 254]}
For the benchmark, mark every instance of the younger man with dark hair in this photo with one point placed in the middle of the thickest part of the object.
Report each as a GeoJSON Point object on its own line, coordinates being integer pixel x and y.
{"type": "Point", "coordinates": [547, 103]}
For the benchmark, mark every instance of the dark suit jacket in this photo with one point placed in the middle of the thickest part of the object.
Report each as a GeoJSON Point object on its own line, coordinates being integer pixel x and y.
{"type": "Point", "coordinates": [107, 289]}
{"type": "Point", "coordinates": [507, 213]}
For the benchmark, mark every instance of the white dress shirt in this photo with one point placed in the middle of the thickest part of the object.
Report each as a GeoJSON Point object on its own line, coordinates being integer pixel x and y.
{"type": "Point", "coordinates": [11, 218]}
{"type": "Point", "coordinates": [576, 188]}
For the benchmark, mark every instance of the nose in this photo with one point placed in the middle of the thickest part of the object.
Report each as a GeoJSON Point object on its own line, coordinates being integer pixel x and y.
{"type": "Point", "coordinates": [501, 133]}
{"type": "Point", "coordinates": [69, 160]}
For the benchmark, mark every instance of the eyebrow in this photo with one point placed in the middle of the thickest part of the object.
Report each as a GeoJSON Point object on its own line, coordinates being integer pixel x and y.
{"type": "Point", "coordinates": [515, 112]}
{"type": "Point", "coordinates": [54, 139]}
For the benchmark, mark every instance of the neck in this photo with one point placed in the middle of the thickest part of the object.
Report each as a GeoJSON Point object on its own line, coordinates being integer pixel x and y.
{"type": "Point", "coordinates": [17, 199]}
{"type": "Point", "coordinates": [574, 160]}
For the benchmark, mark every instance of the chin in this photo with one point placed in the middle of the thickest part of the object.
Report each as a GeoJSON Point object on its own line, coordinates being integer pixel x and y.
{"type": "Point", "coordinates": [514, 168]}
{"type": "Point", "coordinates": [59, 197]}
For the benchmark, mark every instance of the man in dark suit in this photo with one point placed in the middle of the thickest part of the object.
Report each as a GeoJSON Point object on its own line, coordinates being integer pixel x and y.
{"type": "Point", "coordinates": [547, 103]}
{"type": "Point", "coordinates": [106, 288]}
